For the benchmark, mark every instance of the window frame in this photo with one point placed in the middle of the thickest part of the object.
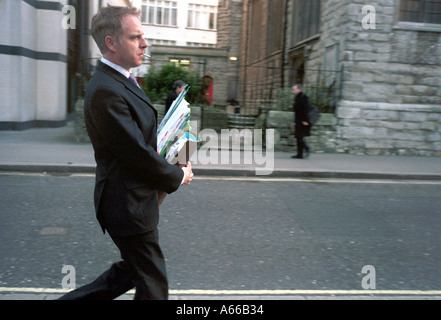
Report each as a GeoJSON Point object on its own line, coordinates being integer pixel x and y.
{"type": "Point", "coordinates": [160, 13]}
{"type": "Point", "coordinates": [422, 15]}
{"type": "Point", "coordinates": [202, 17]}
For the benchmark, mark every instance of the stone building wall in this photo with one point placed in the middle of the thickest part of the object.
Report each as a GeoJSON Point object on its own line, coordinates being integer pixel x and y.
{"type": "Point", "coordinates": [386, 128]}
{"type": "Point", "coordinates": [323, 133]}
{"type": "Point", "coordinates": [393, 63]}
{"type": "Point", "coordinates": [390, 99]}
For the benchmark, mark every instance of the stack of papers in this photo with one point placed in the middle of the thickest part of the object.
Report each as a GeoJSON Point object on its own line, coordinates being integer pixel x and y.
{"type": "Point", "coordinates": [173, 132]}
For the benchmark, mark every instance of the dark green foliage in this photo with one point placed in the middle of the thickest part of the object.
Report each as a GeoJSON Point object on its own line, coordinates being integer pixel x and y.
{"type": "Point", "coordinates": [159, 83]}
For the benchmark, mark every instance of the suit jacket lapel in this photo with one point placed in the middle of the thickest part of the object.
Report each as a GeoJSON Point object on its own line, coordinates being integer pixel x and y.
{"type": "Point", "coordinates": [139, 92]}
{"type": "Point", "coordinates": [130, 86]}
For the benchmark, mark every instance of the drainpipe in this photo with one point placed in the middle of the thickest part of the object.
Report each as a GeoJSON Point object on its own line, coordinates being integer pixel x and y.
{"type": "Point", "coordinates": [285, 28]}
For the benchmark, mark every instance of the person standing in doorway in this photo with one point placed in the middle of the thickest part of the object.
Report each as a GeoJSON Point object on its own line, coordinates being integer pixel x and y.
{"type": "Point", "coordinates": [301, 123]}
{"type": "Point", "coordinates": [121, 123]}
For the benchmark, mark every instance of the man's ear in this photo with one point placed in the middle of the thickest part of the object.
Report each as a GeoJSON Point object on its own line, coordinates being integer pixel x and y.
{"type": "Point", "coordinates": [110, 43]}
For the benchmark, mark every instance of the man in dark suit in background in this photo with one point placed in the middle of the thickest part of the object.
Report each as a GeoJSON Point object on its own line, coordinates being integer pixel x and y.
{"type": "Point", "coordinates": [121, 123]}
{"type": "Point", "coordinates": [178, 87]}
{"type": "Point", "coordinates": [301, 123]}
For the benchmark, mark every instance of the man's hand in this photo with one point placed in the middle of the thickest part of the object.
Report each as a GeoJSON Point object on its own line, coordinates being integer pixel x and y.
{"type": "Point", "coordinates": [188, 173]}
{"type": "Point", "coordinates": [188, 176]}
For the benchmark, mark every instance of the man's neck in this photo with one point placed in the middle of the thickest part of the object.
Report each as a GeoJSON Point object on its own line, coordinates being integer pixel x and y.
{"type": "Point", "coordinates": [115, 66]}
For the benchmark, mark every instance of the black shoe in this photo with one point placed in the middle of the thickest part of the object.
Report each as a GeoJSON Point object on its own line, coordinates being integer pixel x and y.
{"type": "Point", "coordinates": [308, 153]}
{"type": "Point", "coordinates": [297, 157]}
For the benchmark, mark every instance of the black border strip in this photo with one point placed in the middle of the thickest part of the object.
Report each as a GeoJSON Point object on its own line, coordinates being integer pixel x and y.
{"type": "Point", "coordinates": [25, 52]}
{"type": "Point", "coordinates": [45, 5]}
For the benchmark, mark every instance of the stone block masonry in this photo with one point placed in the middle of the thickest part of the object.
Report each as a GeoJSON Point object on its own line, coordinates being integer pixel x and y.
{"type": "Point", "coordinates": [390, 102]}
{"type": "Point", "coordinates": [367, 128]}
{"type": "Point", "coordinates": [388, 129]}
{"type": "Point", "coordinates": [323, 134]}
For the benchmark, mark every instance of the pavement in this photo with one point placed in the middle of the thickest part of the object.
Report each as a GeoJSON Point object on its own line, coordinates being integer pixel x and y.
{"type": "Point", "coordinates": [55, 150]}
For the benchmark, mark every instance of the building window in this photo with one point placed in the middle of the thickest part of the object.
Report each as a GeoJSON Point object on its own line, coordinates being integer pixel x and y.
{"type": "Point", "coordinates": [199, 44]}
{"type": "Point", "coordinates": [423, 11]}
{"type": "Point", "coordinates": [202, 17]}
{"type": "Point", "coordinates": [184, 63]}
{"type": "Point", "coordinates": [159, 12]}
{"type": "Point", "coordinates": [160, 42]}
{"type": "Point", "coordinates": [256, 16]}
{"type": "Point", "coordinates": [276, 20]}
{"type": "Point", "coordinates": [306, 17]}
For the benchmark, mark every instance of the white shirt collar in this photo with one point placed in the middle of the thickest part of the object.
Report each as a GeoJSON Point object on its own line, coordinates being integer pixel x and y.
{"type": "Point", "coordinates": [118, 68]}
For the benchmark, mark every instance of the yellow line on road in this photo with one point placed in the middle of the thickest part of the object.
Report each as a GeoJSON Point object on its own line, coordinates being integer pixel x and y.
{"type": "Point", "coordinates": [250, 292]}
{"type": "Point", "coordinates": [257, 179]}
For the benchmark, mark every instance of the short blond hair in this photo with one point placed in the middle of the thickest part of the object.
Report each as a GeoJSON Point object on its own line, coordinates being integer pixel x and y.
{"type": "Point", "coordinates": [108, 22]}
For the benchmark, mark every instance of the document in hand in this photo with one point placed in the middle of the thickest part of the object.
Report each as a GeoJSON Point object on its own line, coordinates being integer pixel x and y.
{"type": "Point", "coordinates": [173, 132]}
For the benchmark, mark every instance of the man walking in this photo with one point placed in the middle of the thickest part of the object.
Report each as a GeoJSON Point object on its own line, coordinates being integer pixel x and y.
{"type": "Point", "coordinates": [121, 123]}
{"type": "Point", "coordinates": [301, 123]}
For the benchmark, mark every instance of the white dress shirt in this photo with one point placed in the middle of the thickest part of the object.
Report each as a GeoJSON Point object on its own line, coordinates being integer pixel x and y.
{"type": "Point", "coordinates": [118, 68]}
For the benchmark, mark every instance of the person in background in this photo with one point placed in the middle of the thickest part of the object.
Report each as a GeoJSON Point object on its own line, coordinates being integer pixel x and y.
{"type": "Point", "coordinates": [178, 86]}
{"type": "Point", "coordinates": [301, 123]}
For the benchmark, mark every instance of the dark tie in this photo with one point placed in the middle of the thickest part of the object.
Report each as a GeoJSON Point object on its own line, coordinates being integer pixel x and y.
{"type": "Point", "coordinates": [133, 80]}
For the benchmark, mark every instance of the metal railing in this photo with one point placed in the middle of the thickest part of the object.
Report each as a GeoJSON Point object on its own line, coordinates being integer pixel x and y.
{"type": "Point", "coordinates": [260, 89]}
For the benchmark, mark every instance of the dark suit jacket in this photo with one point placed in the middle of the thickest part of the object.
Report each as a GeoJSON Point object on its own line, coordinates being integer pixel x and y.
{"type": "Point", "coordinates": [121, 123]}
{"type": "Point", "coordinates": [169, 101]}
{"type": "Point", "coordinates": [301, 107]}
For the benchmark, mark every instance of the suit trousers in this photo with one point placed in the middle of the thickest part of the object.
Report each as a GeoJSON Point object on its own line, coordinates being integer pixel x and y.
{"type": "Point", "coordinates": [301, 145]}
{"type": "Point", "coordinates": [142, 267]}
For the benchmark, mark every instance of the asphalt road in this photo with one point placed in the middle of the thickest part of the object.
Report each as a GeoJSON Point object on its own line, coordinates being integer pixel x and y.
{"type": "Point", "coordinates": [239, 234]}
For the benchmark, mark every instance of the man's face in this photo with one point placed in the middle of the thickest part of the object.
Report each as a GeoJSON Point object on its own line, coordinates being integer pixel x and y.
{"type": "Point", "coordinates": [180, 89]}
{"type": "Point", "coordinates": [131, 45]}
{"type": "Point", "coordinates": [296, 90]}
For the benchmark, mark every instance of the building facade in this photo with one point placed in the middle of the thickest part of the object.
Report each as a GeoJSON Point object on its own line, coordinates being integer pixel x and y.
{"type": "Point", "coordinates": [185, 33]}
{"type": "Point", "coordinates": [191, 23]}
{"type": "Point", "coordinates": [45, 53]}
{"type": "Point", "coordinates": [33, 63]}
{"type": "Point", "coordinates": [390, 54]}
{"type": "Point", "coordinates": [379, 63]}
